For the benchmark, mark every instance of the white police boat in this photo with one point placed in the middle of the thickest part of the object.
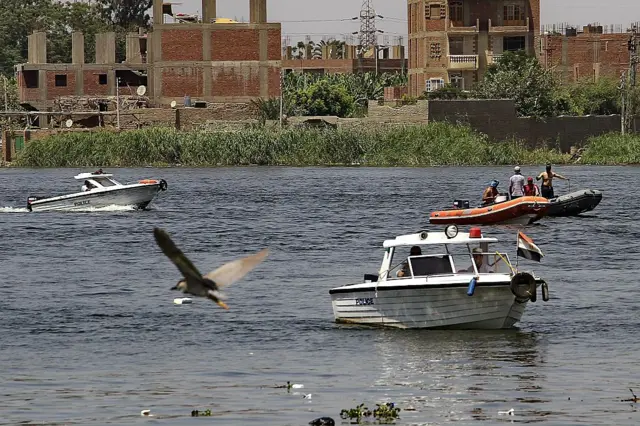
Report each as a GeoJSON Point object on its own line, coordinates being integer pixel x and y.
{"type": "Point", "coordinates": [101, 190]}
{"type": "Point", "coordinates": [454, 281]}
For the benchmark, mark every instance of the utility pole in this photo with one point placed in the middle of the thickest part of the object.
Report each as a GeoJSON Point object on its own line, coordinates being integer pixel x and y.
{"type": "Point", "coordinates": [118, 103]}
{"type": "Point", "coordinates": [281, 95]}
{"type": "Point", "coordinates": [6, 104]}
{"type": "Point", "coordinates": [629, 82]}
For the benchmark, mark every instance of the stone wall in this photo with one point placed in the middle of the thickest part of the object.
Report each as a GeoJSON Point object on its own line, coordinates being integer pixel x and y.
{"type": "Point", "coordinates": [498, 120]}
{"type": "Point", "coordinates": [396, 112]}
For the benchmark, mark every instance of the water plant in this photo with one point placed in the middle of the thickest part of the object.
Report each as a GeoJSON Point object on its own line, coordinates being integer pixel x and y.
{"type": "Point", "coordinates": [434, 144]}
{"type": "Point", "coordinates": [383, 413]}
{"type": "Point", "coordinates": [198, 413]}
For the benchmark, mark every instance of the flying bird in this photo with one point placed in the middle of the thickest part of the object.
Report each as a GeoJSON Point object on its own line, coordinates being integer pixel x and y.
{"type": "Point", "coordinates": [193, 282]}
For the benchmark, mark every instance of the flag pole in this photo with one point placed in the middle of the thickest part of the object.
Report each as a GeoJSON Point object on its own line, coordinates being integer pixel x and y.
{"type": "Point", "coordinates": [517, 257]}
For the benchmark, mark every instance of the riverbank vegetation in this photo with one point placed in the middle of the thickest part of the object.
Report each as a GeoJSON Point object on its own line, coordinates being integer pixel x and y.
{"type": "Point", "coordinates": [612, 149]}
{"type": "Point", "coordinates": [431, 145]}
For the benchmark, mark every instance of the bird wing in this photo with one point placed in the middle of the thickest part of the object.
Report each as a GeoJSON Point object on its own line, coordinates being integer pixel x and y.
{"type": "Point", "coordinates": [174, 254]}
{"type": "Point", "coordinates": [233, 271]}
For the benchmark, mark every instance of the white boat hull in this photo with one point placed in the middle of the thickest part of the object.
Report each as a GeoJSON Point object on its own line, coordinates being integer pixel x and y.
{"type": "Point", "coordinates": [490, 307]}
{"type": "Point", "coordinates": [138, 195]}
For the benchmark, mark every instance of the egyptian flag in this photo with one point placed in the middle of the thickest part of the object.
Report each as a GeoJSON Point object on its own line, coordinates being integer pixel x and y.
{"type": "Point", "coordinates": [527, 249]}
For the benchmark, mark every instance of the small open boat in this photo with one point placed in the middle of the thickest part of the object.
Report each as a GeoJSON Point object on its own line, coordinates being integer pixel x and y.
{"type": "Point", "coordinates": [574, 203]}
{"type": "Point", "coordinates": [456, 280]}
{"type": "Point", "coordinates": [103, 191]}
{"type": "Point", "coordinates": [521, 211]}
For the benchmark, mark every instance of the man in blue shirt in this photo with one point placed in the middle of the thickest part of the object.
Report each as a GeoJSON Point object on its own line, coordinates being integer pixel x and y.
{"type": "Point", "coordinates": [516, 184]}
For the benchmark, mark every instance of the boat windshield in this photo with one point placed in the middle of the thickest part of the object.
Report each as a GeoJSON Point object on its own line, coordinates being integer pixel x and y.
{"type": "Point", "coordinates": [104, 181]}
{"type": "Point", "coordinates": [458, 262]}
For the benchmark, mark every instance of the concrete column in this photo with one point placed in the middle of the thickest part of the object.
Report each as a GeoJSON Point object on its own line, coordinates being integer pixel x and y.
{"type": "Point", "coordinates": [208, 11]}
{"type": "Point", "coordinates": [77, 48]}
{"type": "Point", "coordinates": [37, 48]}
{"type": "Point", "coordinates": [258, 11]}
{"type": "Point", "coordinates": [158, 16]}
{"type": "Point", "coordinates": [133, 49]}
{"type": "Point", "coordinates": [106, 48]}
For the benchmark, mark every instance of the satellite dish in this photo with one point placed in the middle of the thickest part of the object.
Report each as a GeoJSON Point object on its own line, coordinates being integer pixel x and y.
{"type": "Point", "coordinates": [141, 90]}
{"type": "Point", "coordinates": [68, 123]}
{"type": "Point", "coordinates": [173, 104]}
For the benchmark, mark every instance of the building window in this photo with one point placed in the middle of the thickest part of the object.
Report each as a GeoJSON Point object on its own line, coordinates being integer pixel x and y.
{"type": "Point", "coordinates": [433, 84]}
{"type": "Point", "coordinates": [457, 81]}
{"type": "Point", "coordinates": [456, 46]}
{"type": "Point", "coordinates": [61, 80]}
{"type": "Point", "coordinates": [31, 78]}
{"type": "Point", "coordinates": [456, 14]}
{"type": "Point", "coordinates": [513, 15]}
{"type": "Point", "coordinates": [102, 79]}
{"type": "Point", "coordinates": [513, 44]}
{"type": "Point", "coordinates": [434, 11]}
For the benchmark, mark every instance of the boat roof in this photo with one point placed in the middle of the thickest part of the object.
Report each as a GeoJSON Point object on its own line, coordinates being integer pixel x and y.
{"type": "Point", "coordinates": [430, 238]}
{"type": "Point", "coordinates": [93, 175]}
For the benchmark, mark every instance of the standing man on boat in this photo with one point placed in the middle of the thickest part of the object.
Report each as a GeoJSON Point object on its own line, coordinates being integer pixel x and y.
{"type": "Point", "coordinates": [516, 184]}
{"type": "Point", "coordinates": [547, 181]}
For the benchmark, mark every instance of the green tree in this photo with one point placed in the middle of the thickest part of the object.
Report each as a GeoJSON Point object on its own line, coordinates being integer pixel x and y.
{"type": "Point", "coordinates": [600, 97]}
{"type": "Point", "coordinates": [520, 77]}
{"type": "Point", "coordinates": [126, 14]}
{"type": "Point", "coordinates": [323, 98]}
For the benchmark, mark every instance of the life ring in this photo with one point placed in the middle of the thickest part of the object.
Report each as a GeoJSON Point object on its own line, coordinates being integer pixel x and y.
{"type": "Point", "coordinates": [523, 287]}
{"type": "Point", "coordinates": [163, 185]}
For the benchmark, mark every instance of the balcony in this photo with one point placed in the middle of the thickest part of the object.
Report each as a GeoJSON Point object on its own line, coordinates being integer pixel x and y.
{"type": "Point", "coordinates": [463, 62]}
{"type": "Point", "coordinates": [458, 27]}
{"type": "Point", "coordinates": [520, 26]}
{"type": "Point", "coordinates": [493, 58]}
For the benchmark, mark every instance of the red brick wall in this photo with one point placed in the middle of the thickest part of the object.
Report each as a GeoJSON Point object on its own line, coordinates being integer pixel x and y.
{"type": "Point", "coordinates": [236, 81]}
{"type": "Point", "coordinates": [435, 25]}
{"type": "Point", "coordinates": [24, 93]}
{"type": "Point", "coordinates": [236, 45]}
{"type": "Point", "coordinates": [92, 85]}
{"type": "Point", "coordinates": [53, 90]}
{"type": "Point", "coordinates": [274, 82]}
{"type": "Point", "coordinates": [534, 22]}
{"type": "Point", "coordinates": [182, 45]}
{"type": "Point", "coordinates": [275, 45]}
{"type": "Point", "coordinates": [178, 81]}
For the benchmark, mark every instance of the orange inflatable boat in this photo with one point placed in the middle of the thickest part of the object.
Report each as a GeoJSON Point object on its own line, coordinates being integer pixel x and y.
{"type": "Point", "coordinates": [521, 211]}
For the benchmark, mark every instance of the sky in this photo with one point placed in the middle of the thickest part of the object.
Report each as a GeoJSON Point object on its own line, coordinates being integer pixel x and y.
{"type": "Point", "coordinates": [335, 14]}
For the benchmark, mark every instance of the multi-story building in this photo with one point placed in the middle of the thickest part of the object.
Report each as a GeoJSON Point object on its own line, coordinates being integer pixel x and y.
{"type": "Point", "coordinates": [205, 59]}
{"type": "Point", "coordinates": [453, 41]}
{"type": "Point", "coordinates": [589, 53]}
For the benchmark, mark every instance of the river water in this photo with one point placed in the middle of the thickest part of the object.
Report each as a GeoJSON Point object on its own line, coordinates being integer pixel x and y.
{"type": "Point", "coordinates": [90, 334]}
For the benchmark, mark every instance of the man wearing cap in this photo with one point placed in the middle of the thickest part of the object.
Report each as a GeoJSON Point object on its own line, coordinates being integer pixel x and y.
{"type": "Point", "coordinates": [516, 184]}
{"type": "Point", "coordinates": [547, 181]}
{"type": "Point", "coordinates": [478, 259]}
{"type": "Point", "coordinates": [531, 189]}
{"type": "Point", "coordinates": [490, 193]}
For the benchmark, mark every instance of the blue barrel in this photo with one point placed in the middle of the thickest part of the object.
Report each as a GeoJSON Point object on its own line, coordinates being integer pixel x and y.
{"type": "Point", "coordinates": [187, 100]}
{"type": "Point", "coordinates": [472, 287]}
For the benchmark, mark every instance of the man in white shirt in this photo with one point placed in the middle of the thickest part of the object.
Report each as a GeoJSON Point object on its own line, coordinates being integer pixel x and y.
{"type": "Point", "coordinates": [516, 184]}
{"type": "Point", "coordinates": [478, 258]}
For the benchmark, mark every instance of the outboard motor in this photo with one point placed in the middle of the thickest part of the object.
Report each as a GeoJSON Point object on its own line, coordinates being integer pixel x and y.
{"type": "Point", "coordinates": [461, 204]}
{"type": "Point", "coordinates": [31, 199]}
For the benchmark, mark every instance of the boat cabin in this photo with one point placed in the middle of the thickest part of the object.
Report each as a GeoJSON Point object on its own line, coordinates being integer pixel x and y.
{"type": "Point", "coordinates": [455, 253]}
{"type": "Point", "coordinates": [98, 180]}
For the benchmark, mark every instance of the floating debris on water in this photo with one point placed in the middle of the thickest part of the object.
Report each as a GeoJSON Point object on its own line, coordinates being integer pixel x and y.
{"type": "Point", "coordinates": [146, 413]}
{"type": "Point", "coordinates": [307, 396]}
{"type": "Point", "coordinates": [197, 413]}
{"type": "Point", "coordinates": [182, 301]}
{"type": "Point", "coordinates": [322, 421]}
{"type": "Point", "coordinates": [634, 399]}
{"type": "Point", "coordinates": [383, 413]}
{"type": "Point", "coordinates": [510, 412]}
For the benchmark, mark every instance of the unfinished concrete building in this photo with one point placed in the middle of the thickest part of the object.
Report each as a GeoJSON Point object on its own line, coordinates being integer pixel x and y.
{"type": "Point", "coordinates": [453, 41]}
{"type": "Point", "coordinates": [205, 59]}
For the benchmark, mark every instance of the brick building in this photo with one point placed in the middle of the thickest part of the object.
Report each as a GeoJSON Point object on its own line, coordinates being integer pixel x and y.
{"type": "Point", "coordinates": [588, 54]}
{"type": "Point", "coordinates": [209, 60]}
{"type": "Point", "coordinates": [453, 41]}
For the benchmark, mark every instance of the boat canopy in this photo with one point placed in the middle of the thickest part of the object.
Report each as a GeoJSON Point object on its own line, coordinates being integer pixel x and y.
{"type": "Point", "coordinates": [450, 236]}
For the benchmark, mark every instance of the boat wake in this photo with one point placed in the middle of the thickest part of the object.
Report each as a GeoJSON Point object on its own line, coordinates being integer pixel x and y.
{"type": "Point", "coordinates": [13, 210]}
{"type": "Point", "coordinates": [110, 208]}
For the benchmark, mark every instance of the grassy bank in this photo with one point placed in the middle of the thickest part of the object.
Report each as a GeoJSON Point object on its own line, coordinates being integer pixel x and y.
{"type": "Point", "coordinates": [435, 144]}
{"type": "Point", "coordinates": [612, 149]}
